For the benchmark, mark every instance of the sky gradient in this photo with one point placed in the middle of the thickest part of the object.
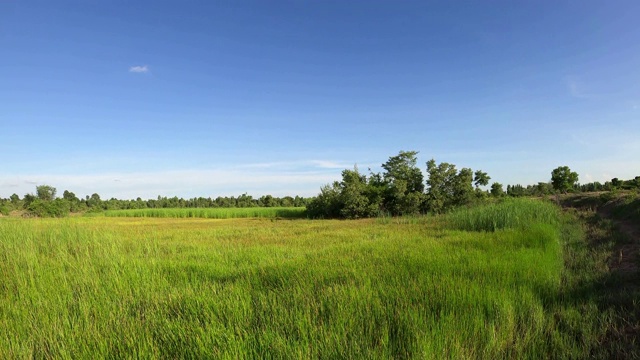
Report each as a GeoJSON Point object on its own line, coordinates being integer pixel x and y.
{"type": "Point", "coordinates": [208, 98]}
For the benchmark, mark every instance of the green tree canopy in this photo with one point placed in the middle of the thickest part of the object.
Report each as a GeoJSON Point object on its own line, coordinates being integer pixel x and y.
{"type": "Point", "coordinates": [496, 190]}
{"type": "Point", "coordinates": [563, 179]}
{"type": "Point", "coordinates": [447, 187]}
{"type": "Point", "coordinates": [403, 167]}
{"type": "Point", "coordinates": [353, 195]}
{"type": "Point", "coordinates": [69, 196]}
{"type": "Point", "coordinates": [404, 184]}
{"type": "Point", "coordinates": [481, 178]}
{"type": "Point", "coordinates": [46, 192]}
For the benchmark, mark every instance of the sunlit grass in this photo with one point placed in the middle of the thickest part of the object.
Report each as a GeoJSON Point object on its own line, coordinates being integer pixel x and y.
{"type": "Point", "coordinates": [508, 213]}
{"type": "Point", "coordinates": [213, 213]}
{"type": "Point", "coordinates": [255, 288]}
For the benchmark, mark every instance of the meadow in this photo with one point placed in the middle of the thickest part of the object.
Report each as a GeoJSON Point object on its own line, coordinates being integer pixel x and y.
{"type": "Point", "coordinates": [456, 286]}
{"type": "Point", "coordinates": [213, 213]}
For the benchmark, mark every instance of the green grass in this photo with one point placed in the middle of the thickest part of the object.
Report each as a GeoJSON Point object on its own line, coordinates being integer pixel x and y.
{"type": "Point", "coordinates": [614, 293]}
{"type": "Point", "coordinates": [508, 213]}
{"type": "Point", "coordinates": [620, 205]}
{"type": "Point", "coordinates": [627, 208]}
{"type": "Point", "coordinates": [213, 213]}
{"type": "Point", "coordinates": [254, 288]}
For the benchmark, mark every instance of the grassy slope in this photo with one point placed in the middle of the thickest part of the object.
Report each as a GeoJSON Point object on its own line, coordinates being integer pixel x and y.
{"type": "Point", "coordinates": [612, 224]}
{"type": "Point", "coordinates": [105, 287]}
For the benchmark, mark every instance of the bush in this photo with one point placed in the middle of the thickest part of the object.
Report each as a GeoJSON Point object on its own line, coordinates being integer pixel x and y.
{"type": "Point", "coordinates": [327, 204]}
{"type": "Point", "coordinates": [55, 208]}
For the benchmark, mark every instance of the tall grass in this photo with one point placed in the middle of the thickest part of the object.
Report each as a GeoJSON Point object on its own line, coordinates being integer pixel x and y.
{"type": "Point", "coordinates": [506, 214]}
{"type": "Point", "coordinates": [213, 213]}
{"type": "Point", "coordinates": [196, 288]}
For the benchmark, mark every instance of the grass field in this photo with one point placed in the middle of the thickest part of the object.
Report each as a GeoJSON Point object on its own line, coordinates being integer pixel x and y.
{"type": "Point", "coordinates": [264, 288]}
{"type": "Point", "coordinates": [213, 213]}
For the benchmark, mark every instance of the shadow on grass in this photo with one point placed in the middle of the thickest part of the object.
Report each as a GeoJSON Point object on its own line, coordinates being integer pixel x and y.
{"type": "Point", "coordinates": [605, 294]}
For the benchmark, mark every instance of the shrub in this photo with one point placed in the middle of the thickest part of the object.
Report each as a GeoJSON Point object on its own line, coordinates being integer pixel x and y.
{"type": "Point", "coordinates": [55, 208]}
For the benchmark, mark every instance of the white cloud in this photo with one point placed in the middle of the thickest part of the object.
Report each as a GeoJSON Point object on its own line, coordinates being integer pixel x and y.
{"type": "Point", "coordinates": [324, 164]}
{"type": "Point", "coordinates": [302, 164]}
{"type": "Point", "coordinates": [265, 165]}
{"type": "Point", "coordinates": [588, 178]}
{"type": "Point", "coordinates": [139, 69]}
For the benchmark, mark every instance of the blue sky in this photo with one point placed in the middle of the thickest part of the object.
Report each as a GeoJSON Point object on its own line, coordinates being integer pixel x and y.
{"type": "Point", "coordinates": [208, 98]}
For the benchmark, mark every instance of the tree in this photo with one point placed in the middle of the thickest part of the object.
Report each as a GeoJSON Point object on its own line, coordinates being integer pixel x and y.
{"type": "Point", "coordinates": [542, 188]}
{"type": "Point", "coordinates": [496, 190]}
{"type": "Point", "coordinates": [352, 198]}
{"type": "Point", "coordinates": [300, 201]}
{"type": "Point", "coordinates": [45, 203]}
{"type": "Point", "coordinates": [244, 200]}
{"type": "Point", "coordinates": [68, 195]}
{"type": "Point", "coordinates": [448, 187]}
{"type": "Point", "coordinates": [353, 195]}
{"type": "Point", "coordinates": [72, 199]}
{"type": "Point", "coordinates": [42, 208]}
{"type": "Point", "coordinates": [28, 199]}
{"type": "Point", "coordinates": [403, 167]}
{"type": "Point", "coordinates": [94, 201]}
{"type": "Point", "coordinates": [327, 204]}
{"type": "Point", "coordinates": [267, 201]}
{"type": "Point", "coordinates": [376, 191]}
{"type": "Point", "coordinates": [440, 184]}
{"type": "Point", "coordinates": [616, 183]}
{"type": "Point", "coordinates": [399, 190]}
{"type": "Point", "coordinates": [15, 201]}
{"type": "Point", "coordinates": [404, 184]}
{"type": "Point", "coordinates": [481, 178]}
{"type": "Point", "coordinates": [4, 209]}
{"type": "Point", "coordinates": [463, 191]}
{"type": "Point", "coordinates": [515, 190]}
{"type": "Point", "coordinates": [563, 179]}
{"type": "Point", "coordinates": [287, 201]}
{"type": "Point", "coordinates": [46, 192]}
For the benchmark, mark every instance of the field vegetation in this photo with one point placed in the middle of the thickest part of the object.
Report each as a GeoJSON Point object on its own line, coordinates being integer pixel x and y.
{"type": "Point", "coordinates": [456, 286]}
{"type": "Point", "coordinates": [418, 266]}
{"type": "Point", "coordinates": [213, 213]}
{"type": "Point", "coordinates": [401, 189]}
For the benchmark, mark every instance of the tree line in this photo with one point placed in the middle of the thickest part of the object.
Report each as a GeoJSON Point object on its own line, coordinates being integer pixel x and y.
{"type": "Point", "coordinates": [45, 203]}
{"type": "Point", "coordinates": [400, 189]}
{"type": "Point", "coordinates": [546, 188]}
